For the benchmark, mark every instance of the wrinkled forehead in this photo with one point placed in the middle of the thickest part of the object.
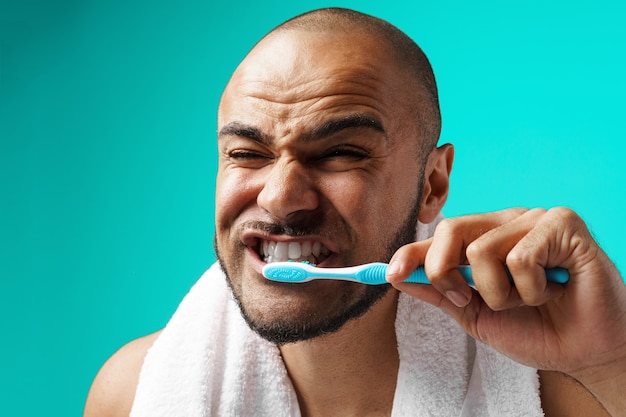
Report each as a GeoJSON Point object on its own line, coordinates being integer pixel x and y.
{"type": "Point", "coordinates": [296, 66]}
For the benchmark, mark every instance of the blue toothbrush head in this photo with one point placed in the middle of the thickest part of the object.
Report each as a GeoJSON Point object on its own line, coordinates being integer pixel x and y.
{"type": "Point", "coordinates": [277, 272]}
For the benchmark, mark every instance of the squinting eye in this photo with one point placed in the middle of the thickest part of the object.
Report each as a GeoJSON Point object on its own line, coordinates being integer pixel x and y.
{"type": "Point", "coordinates": [245, 155]}
{"type": "Point", "coordinates": [343, 158]}
{"type": "Point", "coordinates": [346, 153]}
{"type": "Point", "coordinates": [248, 159]}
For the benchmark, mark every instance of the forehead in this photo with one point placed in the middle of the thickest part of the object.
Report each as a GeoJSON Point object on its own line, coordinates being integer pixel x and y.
{"type": "Point", "coordinates": [295, 77]}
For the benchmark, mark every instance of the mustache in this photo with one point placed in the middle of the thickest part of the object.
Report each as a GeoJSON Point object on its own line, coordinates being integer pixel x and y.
{"type": "Point", "coordinates": [293, 230]}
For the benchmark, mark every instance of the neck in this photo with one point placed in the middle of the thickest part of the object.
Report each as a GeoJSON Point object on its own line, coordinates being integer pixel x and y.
{"type": "Point", "coordinates": [352, 371]}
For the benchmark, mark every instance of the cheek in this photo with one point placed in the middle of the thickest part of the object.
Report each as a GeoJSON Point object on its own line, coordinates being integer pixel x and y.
{"type": "Point", "coordinates": [363, 201]}
{"type": "Point", "coordinates": [233, 192]}
{"type": "Point", "coordinates": [376, 203]}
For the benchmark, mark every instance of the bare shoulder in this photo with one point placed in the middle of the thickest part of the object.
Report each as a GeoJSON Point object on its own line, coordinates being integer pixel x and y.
{"type": "Point", "coordinates": [564, 396]}
{"type": "Point", "coordinates": [113, 389]}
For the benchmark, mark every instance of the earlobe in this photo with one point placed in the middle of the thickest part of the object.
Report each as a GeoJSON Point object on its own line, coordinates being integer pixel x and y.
{"type": "Point", "coordinates": [436, 182]}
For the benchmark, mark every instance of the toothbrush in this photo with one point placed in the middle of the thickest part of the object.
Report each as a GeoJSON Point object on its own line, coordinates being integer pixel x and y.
{"type": "Point", "coordinates": [372, 273]}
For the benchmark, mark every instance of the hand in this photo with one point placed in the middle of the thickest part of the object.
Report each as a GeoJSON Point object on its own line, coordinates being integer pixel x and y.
{"type": "Point", "coordinates": [578, 328]}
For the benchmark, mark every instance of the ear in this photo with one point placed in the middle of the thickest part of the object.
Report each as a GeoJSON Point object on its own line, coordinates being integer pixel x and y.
{"type": "Point", "coordinates": [436, 182]}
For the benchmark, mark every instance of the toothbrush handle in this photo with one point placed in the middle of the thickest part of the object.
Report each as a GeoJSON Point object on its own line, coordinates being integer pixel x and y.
{"type": "Point", "coordinates": [557, 275]}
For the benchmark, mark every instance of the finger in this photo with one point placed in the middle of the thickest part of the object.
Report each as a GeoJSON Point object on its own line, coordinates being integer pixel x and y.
{"type": "Point", "coordinates": [488, 254]}
{"type": "Point", "coordinates": [406, 260]}
{"type": "Point", "coordinates": [552, 242]}
{"type": "Point", "coordinates": [429, 294]}
{"type": "Point", "coordinates": [448, 251]}
{"type": "Point", "coordinates": [527, 282]}
{"type": "Point", "coordinates": [559, 238]}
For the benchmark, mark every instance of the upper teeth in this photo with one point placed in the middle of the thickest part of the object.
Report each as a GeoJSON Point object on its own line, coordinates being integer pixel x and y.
{"type": "Point", "coordinates": [298, 251]}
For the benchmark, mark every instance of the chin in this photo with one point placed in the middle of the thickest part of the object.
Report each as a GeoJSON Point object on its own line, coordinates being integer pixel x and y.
{"type": "Point", "coordinates": [289, 313]}
{"type": "Point", "coordinates": [285, 313]}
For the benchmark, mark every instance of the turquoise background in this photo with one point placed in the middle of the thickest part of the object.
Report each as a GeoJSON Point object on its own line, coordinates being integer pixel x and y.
{"type": "Point", "coordinates": [107, 154]}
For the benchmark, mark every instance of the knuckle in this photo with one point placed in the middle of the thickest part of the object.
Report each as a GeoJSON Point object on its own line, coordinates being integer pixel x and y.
{"type": "Point", "coordinates": [499, 303]}
{"type": "Point", "coordinates": [448, 226]}
{"type": "Point", "coordinates": [538, 211]}
{"type": "Point", "coordinates": [565, 215]}
{"type": "Point", "coordinates": [517, 211]}
{"type": "Point", "coordinates": [476, 250]}
{"type": "Point", "coordinates": [517, 260]}
{"type": "Point", "coordinates": [532, 298]}
{"type": "Point", "coordinates": [533, 293]}
{"type": "Point", "coordinates": [436, 274]}
{"type": "Point", "coordinates": [406, 250]}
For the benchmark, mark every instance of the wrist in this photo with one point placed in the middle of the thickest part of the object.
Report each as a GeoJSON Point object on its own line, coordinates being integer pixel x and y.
{"type": "Point", "coordinates": [606, 383]}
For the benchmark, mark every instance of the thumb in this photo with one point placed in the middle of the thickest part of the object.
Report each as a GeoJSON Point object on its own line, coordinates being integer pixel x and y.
{"type": "Point", "coordinates": [408, 258]}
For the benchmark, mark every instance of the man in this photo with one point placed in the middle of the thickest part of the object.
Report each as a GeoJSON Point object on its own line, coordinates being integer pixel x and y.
{"type": "Point", "coordinates": [327, 143]}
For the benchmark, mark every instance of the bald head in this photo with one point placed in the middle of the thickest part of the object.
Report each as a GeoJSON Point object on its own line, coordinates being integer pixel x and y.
{"type": "Point", "coordinates": [325, 132]}
{"type": "Point", "coordinates": [404, 50]}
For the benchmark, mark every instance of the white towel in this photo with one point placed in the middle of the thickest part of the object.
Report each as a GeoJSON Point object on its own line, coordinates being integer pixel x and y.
{"type": "Point", "coordinates": [207, 362]}
{"type": "Point", "coordinates": [443, 372]}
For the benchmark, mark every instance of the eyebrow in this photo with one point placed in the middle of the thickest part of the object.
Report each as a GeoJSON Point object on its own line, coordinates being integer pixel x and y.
{"type": "Point", "coordinates": [243, 130]}
{"type": "Point", "coordinates": [329, 128]}
{"type": "Point", "coordinates": [352, 121]}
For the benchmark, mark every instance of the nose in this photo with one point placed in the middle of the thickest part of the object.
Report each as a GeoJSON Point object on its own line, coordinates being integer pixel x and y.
{"type": "Point", "coordinates": [288, 189]}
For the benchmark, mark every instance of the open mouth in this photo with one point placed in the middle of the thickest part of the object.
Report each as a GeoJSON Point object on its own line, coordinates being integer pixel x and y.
{"type": "Point", "coordinates": [310, 251]}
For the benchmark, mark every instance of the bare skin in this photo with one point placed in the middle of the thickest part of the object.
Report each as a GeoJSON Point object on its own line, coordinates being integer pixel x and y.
{"type": "Point", "coordinates": [577, 329]}
{"type": "Point", "coordinates": [295, 174]}
{"type": "Point", "coordinates": [325, 378]}
{"type": "Point", "coordinates": [556, 386]}
{"type": "Point", "coordinates": [275, 179]}
{"type": "Point", "coordinates": [113, 390]}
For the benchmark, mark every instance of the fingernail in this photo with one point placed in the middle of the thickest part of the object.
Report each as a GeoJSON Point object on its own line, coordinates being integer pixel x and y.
{"type": "Point", "coordinates": [392, 269]}
{"type": "Point", "coordinates": [457, 298]}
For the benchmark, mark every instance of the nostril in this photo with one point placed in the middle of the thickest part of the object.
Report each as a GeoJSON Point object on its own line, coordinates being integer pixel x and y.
{"type": "Point", "coordinates": [288, 189]}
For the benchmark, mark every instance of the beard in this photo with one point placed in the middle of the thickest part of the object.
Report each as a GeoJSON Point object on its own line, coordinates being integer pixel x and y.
{"type": "Point", "coordinates": [291, 329]}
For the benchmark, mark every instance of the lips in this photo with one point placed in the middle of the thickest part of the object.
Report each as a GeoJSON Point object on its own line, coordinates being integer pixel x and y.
{"type": "Point", "coordinates": [311, 251]}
